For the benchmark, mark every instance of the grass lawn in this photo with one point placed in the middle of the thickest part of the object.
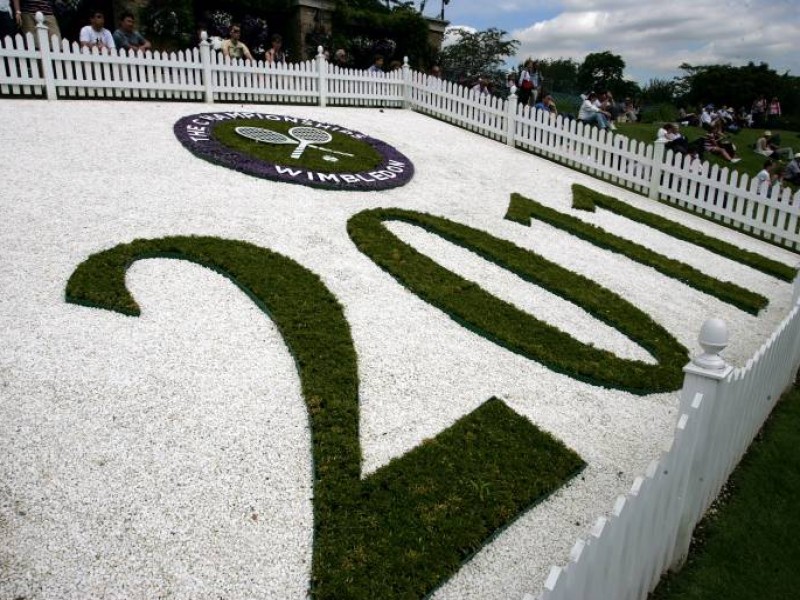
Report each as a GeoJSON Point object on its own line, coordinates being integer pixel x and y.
{"type": "Point", "coordinates": [751, 162]}
{"type": "Point", "coordinates": [747, 546]}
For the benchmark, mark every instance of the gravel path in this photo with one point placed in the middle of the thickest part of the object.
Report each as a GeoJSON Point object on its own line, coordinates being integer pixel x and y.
{"type": "Point", "coordinates": [168, 455]}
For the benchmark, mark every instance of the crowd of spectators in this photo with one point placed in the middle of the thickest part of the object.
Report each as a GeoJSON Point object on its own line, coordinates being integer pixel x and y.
{"type": "Point", "coordinates": [782, 165]}
{"type": "Point", "coordinates": [93, 35]}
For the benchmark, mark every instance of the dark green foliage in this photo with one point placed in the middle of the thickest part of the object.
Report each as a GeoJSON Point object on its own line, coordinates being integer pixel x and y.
{"type": "Point", "coordinates": [467, 303]}
{"type": "Point", "coordinates": [165, 20]}
{"type": "Point", "coordinates": [586, 199]}
{"type": "Point", "coordinates": [363, 29]}
{"type": "Point", "coordinates": [405, 529]}
{"type": "Point", "coordinates": [658, 91]}
{"type": "Point", "coordinates": [479, 54]}
{"type": "Point", "coordinates": [522, 210]}
{"type": "Point", "coordinates": [365, 156]}
{"type": "Point", "coordinates": [739, 86]}
{"type": "Point", "coordinates": [658, 113]}
{"type": "Point", "coordinates": [603, 71]}
{"type": "Point", "coordinates": [560, 75]}
{"type": "Point", "coordinates": [748, 547]}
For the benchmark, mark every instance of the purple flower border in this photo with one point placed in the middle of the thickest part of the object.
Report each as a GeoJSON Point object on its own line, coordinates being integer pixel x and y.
{"type": "Point", "coordinates": [215, 152]}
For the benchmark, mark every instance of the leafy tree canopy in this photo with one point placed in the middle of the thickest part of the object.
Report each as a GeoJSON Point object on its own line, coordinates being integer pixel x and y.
{"type": "Point", "coordinates": [560, 75]}
{"type": "Point", "coordinates": [368, 27]}
{"type": "Point", "coordinates": [737, 86]}
{"type": "Point", "coordinates": [479, 54]}
{"type": "Point", "coordinates": [602, 71]}
{"type": "Point", "coordinates": [659, 91]}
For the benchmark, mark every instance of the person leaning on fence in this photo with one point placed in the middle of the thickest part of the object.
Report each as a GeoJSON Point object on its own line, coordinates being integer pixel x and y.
{"type": "Point", "coordinates": [25, 15]}
{"type": "Point", "coordinates": [95, 35]}
{"type": "Point", "coordinates": [234, 47]}
{"type": "Point", "coordinates": [275, 54]}
{"type": "Point", "coordinates": [127, 38]}
{"type": "Point", "coordinates": [340, 58]}
{"type": "Point", "coordinates": [377, 65]}
{"type": "Point", "coordinates": [592, 114]}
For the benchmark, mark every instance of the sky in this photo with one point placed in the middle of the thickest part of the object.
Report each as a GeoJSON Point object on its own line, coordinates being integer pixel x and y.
{"type": "Point", "coordinates": [652, 37]}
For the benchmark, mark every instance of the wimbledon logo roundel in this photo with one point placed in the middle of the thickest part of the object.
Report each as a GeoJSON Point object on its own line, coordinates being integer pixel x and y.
{"type": "Point", "coordinates": [294, 150]}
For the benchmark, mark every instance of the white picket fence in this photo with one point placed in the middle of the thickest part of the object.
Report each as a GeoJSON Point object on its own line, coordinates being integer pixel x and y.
{"type": "Point", "coordinates": [57, 69]}
{"type": "Point", "coordinates": [649, 529]}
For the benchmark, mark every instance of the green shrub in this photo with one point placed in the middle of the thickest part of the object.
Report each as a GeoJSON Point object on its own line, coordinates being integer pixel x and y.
{"type": "Point", "coordinates": [658, 113]}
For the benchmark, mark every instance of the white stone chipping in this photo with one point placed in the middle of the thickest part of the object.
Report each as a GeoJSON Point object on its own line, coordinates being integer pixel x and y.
{"type": "Point", "coordinates": [169, 455]}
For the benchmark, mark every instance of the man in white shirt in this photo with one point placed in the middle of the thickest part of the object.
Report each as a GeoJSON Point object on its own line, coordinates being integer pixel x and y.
{"type": "Point", "coordinates": [591, 113]}
{"type": "Point", "coordinates": [95, 35]}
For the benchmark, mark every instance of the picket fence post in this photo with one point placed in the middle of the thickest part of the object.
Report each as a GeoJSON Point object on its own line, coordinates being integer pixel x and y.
{"type": "Point", "coordinates": [205, 60]}
{"type": "Point", "coordinates": [511, 118]}
{"type": "Point", "coordinates": [703, 375]}
{"type": "Point", "coordinates": [655, 171]}
{"type": "Point", "coordinates": [322, 71]}
{"type": "Point", "coordinates": [406, 84]}
{"type": "Point", "coordinates": [47, 63]}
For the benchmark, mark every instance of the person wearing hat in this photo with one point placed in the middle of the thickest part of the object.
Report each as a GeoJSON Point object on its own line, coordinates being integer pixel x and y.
{"type": "Point", "coordinates": [792, 172]}
{"type": "Point", "coordinates": [764, 147]}
{"type": "Point", "coordinates": [769, 146]}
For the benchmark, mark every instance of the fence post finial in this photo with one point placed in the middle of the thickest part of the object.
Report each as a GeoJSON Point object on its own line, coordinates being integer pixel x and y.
{"type": "Point", "coordinates": [43, 43]}
{"type": "Point", "coordinates": [713, 339]}
{"type": "Point", "coordinates": [704, 377]}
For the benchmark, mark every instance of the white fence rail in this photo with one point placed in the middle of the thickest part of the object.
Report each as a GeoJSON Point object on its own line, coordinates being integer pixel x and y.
{"type": "Point", "coordinates": [36, 66]}
{"type": "Point", "coordinates": [650, 528]}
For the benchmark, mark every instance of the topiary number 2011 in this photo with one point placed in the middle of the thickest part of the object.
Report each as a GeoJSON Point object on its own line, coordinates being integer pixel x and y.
{"type": "Point", "coordinates": [402, 531]}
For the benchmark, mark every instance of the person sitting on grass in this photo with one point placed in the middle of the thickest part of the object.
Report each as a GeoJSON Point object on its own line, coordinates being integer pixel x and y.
{"type": "Point", "coordinates": [547, 103]}
{"type": "Point", "coordinates": [592, 114]}
{"type": "Point", "coordinates": [673, 139]}
{"type": "Point", "coordinates": [715, 143]}
{"type": "Point", "coordinates": [769, 145]}
{"type": "Point", "coordinates": [791, 173]}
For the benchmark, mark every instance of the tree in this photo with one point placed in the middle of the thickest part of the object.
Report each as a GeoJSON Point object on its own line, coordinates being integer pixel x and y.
{"type": "Point", "coordinates": [737, 86]}
{"type": "Point", "coordinates": [658, 91]}
{"type": "Point", "coordinates": [602, 71]}
{"type": "Point", "coordinates": [479, 54]}
{"type": "Point", "coordinates": [366, 27]}
{"type": "Point", "coordinates": [560, 75]}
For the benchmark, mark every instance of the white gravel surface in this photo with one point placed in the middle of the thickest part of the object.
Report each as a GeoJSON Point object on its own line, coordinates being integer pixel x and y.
{"type": "Point", "coordinates": [168, 455]}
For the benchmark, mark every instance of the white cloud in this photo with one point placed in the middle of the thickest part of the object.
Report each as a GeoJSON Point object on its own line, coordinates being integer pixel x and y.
{"type": "Point", "coordinates": [453, 33]}
{"type": "Point", "coordinates": [655, 38]}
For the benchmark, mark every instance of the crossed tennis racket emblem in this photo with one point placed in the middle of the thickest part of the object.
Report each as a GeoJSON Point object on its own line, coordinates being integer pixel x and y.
{"type": "Point", "coordinates": [304, 137]}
